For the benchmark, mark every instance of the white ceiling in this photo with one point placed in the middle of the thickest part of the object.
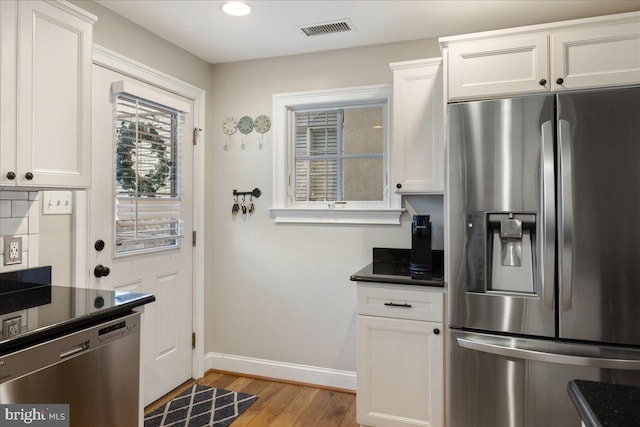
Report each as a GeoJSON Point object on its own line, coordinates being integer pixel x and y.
{"type": "Point", "coordinates": [272, 29]}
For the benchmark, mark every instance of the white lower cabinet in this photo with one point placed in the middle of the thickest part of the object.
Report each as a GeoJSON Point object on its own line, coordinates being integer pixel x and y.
{"type": "Point", "coordinates": [400, 359]}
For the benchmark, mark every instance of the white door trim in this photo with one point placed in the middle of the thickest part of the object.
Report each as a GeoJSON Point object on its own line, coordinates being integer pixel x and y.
{"type": "Point", "coordinates": [114, 61]}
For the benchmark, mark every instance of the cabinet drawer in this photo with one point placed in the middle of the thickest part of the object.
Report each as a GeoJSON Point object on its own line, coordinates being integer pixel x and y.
{"type": "Point", "coordinates": [400, 302]}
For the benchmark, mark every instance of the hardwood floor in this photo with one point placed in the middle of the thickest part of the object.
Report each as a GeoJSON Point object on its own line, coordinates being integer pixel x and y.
{"type": "Point", "coordinates": [280, 404]}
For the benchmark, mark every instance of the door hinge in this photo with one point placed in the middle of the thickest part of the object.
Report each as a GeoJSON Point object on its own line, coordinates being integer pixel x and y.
{"type": "Point", "coordinates": [196, 134]}
{"type": "Point", "coordinates": [193, 340]}
{"type": "Point", "coordinates": [193, 238]}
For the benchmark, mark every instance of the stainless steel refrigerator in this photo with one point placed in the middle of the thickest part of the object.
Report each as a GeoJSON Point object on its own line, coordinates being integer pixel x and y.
{"type": "Point", "coordinates": [544, 241]}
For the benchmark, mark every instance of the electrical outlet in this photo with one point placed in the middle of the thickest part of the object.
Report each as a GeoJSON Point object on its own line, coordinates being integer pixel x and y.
{"type": "Point", "coordinates": [12, 250]}
{"type": "Point", "coordinates": [11, 327]}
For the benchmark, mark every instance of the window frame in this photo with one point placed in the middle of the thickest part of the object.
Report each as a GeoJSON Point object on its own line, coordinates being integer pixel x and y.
{"type": "Point", "coordinates": [285, 209]}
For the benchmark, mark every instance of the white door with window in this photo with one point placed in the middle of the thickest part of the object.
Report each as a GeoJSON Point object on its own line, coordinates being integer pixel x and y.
{"type": "Point", "coordinates": [141, 207]}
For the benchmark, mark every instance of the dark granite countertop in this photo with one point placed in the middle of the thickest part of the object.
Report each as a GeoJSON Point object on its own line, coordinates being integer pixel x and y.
{"type": "Point", "coordinates": [57, 310]}
{"type": "Point", "coordinates": [392, 266]}
{"type": "Point", "coordinates": [606, 405]}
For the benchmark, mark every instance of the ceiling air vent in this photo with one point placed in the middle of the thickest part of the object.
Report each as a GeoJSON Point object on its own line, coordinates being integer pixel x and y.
{"type": "Point", "coordinates": [328, 28]}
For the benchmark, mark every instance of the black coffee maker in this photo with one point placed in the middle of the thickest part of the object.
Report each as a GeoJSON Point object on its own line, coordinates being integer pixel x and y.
{"type": "Point", "coordinates": [420, 245]}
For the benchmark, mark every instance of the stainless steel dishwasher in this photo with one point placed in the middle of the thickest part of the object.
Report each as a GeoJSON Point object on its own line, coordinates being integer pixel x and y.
{"type": "Point", "coordinates": [95, 370]}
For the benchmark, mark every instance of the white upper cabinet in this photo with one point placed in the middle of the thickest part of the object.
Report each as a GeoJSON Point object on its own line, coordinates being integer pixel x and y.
{"type": "Point", "coordinates": [499, 66]}
{"type": "Point", "coordinates": [46, 95]}
{"type": "Point", "coordinates": [604, 55]}
{"type": "Point", "coordinates": [586, 53]}
{"type": "Point", "coordinates": [418, 127]}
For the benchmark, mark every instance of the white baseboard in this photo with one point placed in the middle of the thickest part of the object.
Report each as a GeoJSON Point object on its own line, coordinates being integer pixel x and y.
{"type": "Point", "coordinates": [281, 370]}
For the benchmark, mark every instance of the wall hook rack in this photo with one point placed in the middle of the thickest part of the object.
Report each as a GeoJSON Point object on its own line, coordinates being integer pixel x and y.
{"type": "Point", "coordinates": [254, 193]}
{"type": "Point", "coordinates": [242, 205]}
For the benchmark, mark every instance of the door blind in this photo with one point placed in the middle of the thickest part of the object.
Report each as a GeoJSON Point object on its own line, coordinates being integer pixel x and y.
{"type": "Point", "coordinates": [148, 205]}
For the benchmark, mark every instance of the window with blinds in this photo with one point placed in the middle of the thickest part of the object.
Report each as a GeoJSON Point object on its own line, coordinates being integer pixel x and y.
{"type": "Point", "coordinates": [148, 206]}
{"type": "Point", "coordinates": [316, 155]}
{"type": "Point", "coordinates": [338, 155]}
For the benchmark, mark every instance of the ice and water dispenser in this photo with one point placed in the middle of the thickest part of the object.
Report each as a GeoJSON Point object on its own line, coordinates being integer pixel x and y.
{"type": "Point", "coordinates": [501, 253]}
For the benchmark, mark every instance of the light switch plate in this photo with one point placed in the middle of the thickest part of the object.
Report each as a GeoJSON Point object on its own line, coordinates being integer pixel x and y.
{"type": "Point", "coordinates": [12, 250]}
{"type": "Point", "coordinates": [57, 203]}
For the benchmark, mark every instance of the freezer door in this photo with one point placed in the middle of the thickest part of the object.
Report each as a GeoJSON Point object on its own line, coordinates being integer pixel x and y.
{"type": "Point", "coordinates": [502, 215]}
{"type": "Point", "coordinates": [497, 381]}
{"type": "Point", "coordinates": [599, 226]}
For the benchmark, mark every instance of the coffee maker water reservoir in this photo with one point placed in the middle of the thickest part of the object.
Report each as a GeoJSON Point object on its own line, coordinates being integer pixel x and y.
{"type": "Point", "coordinates": [420, 245]}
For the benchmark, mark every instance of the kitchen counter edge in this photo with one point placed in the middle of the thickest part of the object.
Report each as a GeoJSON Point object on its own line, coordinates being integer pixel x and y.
{"type": "Point", "coordinates": [602, 405]}
{"type": "Point", "coordinates": [366, 275]}
{"type": "Point", "coordinates": [73, 325]}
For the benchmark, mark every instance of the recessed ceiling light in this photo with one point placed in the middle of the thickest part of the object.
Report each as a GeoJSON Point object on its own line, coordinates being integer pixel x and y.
{"type": "Point", "coordinates": [236, 8]}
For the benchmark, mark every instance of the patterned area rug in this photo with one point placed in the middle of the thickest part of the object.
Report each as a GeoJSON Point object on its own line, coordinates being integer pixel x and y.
{"type": "Point", "coordinates": [201, 406]}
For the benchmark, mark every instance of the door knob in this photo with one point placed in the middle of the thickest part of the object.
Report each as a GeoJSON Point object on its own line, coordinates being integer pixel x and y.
{"type": "Point", "coordinates": [101, 271]}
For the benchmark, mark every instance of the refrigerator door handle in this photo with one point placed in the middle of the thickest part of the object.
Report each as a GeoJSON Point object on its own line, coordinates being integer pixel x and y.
{"type": "Point", "coordinates": [510, 349]}
{"type": "Point", "coordinates": [565, 255]}
{"type": "Point", "coordinates": [548, 226]}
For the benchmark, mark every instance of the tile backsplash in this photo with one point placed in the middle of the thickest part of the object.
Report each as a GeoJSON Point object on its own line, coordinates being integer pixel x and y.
{"type": "Point", "coordinates": [20, 217]}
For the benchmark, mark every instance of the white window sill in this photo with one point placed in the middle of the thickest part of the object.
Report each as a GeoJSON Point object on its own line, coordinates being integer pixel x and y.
{"type": "Point", "coordinates": [336, 216]}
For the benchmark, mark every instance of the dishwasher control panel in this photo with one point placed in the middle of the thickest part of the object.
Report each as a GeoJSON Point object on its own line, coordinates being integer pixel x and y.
{"type": "Point", "coordinates": [116, 330]}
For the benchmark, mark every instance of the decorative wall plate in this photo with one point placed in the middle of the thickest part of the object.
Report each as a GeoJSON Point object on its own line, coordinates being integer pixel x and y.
{"type": "Point", "coordinates": [245, 124]}
{"type": "Point", "coordinates": [230, 125]}
{"type": "Point", "coordinates": [262, 124]}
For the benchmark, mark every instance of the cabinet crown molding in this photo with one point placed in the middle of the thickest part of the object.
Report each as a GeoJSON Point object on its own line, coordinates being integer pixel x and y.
{"type": "Point", "coordinates": [74, 10]}
{"type": "Point", "coordinates": [548, 27]}
{"type": "Point", "coordinates": [416, 63]}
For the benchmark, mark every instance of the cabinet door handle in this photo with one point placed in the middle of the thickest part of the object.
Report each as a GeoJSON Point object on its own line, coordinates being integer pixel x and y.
{"type": "Point", "coordinates": [28, 176]}
{"type": "Point", "coordinates": [542, 82]}
{"type": "Point", "coordinates": [436, 331]}
{"type": "Point", "coordinates": [393, 304]}
{"type": "Point", "coordinates": [559, 80]}
{"type": "Point", "coordinates": [398, 186]}
{"type": "Point", "coordinates": [11, 176]}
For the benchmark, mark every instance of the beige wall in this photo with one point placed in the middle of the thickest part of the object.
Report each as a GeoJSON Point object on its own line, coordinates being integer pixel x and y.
{"type": "Point", "coordinates": [282, 292]}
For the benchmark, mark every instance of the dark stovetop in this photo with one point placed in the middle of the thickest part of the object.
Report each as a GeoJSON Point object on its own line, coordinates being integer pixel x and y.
{"type": "Point", "coordinates": [606, 405]}
{"type": "Point", "coordinates": [392, 266]}
{"type": "Point", "coordinates": [56, 310]}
